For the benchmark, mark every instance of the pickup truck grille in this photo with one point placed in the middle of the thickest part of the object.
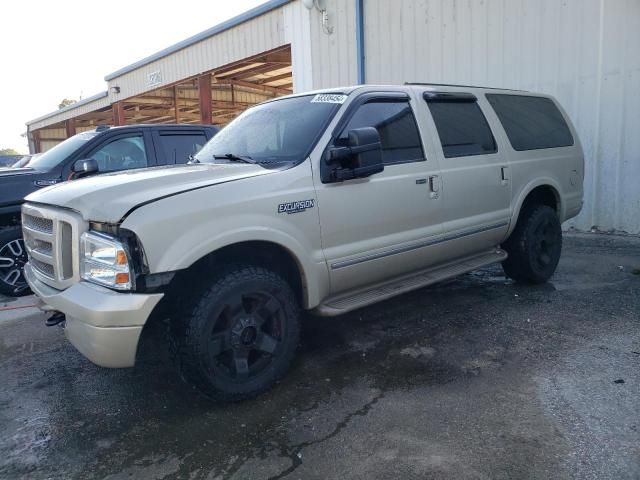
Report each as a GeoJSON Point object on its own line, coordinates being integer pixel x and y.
{"type": "Point", "coordinates": [44, 225]}
{"type": "Point", "coordinates": [52, 239]}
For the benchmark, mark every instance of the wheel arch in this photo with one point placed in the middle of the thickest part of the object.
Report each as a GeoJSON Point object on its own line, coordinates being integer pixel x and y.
{"type": "Point", "coordinates": [543, 191]}
{"type": "Point", "coordinates": [265, 253]}
{"type": "Point", "coordinates": [10, 217]}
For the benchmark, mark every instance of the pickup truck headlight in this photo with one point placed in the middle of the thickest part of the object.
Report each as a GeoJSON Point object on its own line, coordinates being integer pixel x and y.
{"type": "Point", "coordinates": [104, 260]}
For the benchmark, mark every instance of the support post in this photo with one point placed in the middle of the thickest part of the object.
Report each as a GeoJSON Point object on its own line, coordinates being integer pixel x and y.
{"type": "Point", "coordinates": [118, 114]}
{"type": "Point", "coordinates": [360, 41]}
{"type": "Point", "coordinates": [176, 113]}
{"type": "Point", "coordinates": [36, 141]}
{"type": "Point", "coordinates": [204, 95]}
{"type": "Point", "coordinates": [70, 125]}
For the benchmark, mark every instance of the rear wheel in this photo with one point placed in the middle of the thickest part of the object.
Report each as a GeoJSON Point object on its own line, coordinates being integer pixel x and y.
{"type": "Point", "coordinates": [241, 336]}
{"type": "Point", "coordinates": [13, 256]}
{"type": "Point", "coordinates": [534, 247]}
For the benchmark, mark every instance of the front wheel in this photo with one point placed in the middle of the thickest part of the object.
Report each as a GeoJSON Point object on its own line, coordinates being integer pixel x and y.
{"type": "Point", "coordinates": [241, 336]}
{"type": "Point", "coordinates": [13, 256]}
{"type": "Point", "coordinates": [534, 246]}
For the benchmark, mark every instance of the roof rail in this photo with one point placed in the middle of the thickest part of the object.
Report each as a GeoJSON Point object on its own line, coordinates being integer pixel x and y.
{"type": "Point", "coordinates": [458, 85]}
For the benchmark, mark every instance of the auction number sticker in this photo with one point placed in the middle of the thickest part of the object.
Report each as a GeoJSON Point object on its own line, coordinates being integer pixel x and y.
{"type": "Point", "coordinates": [329, 98]}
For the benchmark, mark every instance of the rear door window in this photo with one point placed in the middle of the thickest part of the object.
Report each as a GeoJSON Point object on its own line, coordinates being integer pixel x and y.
{"type": "Point", "coordinates": [178, 147]}
{"type": "Point", "coordinates": [462, 127]}
{"type": "Point", "coordinates": [396, 125]}
{"type": "Point", "coordinates": [531, 123]}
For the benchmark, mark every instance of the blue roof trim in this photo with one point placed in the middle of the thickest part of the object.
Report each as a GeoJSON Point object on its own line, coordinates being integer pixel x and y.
{"type": "Point", "coordinates": [221, 27]}
{"type": "Point", "coordinates": [79, 103]}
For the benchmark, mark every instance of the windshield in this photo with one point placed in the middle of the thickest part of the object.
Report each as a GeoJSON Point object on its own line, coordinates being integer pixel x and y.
{"type": "Point", "coordinates": [282, 131]}
{"type": "Point", "coordinates": [51, 158]}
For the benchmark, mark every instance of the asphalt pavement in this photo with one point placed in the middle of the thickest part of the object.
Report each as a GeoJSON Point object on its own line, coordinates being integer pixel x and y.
{"type": "Point", "coordinates": [475, 378]}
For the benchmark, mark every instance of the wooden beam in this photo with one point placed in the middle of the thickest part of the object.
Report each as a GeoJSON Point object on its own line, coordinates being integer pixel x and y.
{"type": "Point", "coordinates": [176, 110]}
{"type": "Point", "coordinates": [36, 141]}
{"type": "Point", "coordinates": [276, 78]}
{"type": "Point", "coordinates": [118, 114]}
{"type": "Point", "coordinates": [255, 86]}
{"type": "Point", "coordinates": [70, 126]}
{"type": "Point", "coordinates": [269, 67]}
{"type": "Point", "coordinates": [204, 94]}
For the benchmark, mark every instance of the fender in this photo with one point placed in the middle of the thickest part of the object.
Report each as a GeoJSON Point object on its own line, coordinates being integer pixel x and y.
{"type": "Point", "coordinates": [203, 238]}
{"type": "Point", "coordinates": [314, 271]}
{"type": "Point", "coordinates": [10, 214]}
{"type": "Point", "coordinates": [526, 190]}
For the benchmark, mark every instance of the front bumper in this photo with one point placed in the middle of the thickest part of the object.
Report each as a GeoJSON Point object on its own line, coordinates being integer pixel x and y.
{"type": "Point", "coordinates": [103, 325]}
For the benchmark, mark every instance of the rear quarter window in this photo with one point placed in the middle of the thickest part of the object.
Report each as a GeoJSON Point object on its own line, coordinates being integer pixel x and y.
{"type": "Point", "coordinates": [531, 123]}
{"type": "Point", "coordinates": [178, 147]}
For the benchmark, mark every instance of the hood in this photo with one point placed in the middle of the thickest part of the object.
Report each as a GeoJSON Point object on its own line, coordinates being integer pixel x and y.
{"type": "Point", "coordinates": [10, 171]}
{"type": "Point", "coordinates": [109, 197]}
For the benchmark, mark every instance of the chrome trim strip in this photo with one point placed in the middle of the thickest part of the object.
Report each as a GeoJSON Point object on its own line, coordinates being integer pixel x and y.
{"type": "Point", "coordinates": [38, 255]}
{"type": "Point", "coordinates": [39, 234]}
{"type": "Point", "coordinates": [415, 246]}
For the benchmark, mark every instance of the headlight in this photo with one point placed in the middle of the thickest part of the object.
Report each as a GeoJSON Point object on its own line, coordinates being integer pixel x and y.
{"type": "Point", "coordinates": [104, 260]}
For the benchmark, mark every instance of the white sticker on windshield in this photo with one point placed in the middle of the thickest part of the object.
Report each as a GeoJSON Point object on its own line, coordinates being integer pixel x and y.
{"type": "Point", "coordinates": [329, 98]}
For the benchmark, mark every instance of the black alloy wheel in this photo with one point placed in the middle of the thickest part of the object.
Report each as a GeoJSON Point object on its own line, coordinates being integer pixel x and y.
{"type": "Point", "coordinates": [13, 257]}
{"type": "Point", "coordinates": [241, 335]}
{"type": "Point", "coordinates": [535, 246]}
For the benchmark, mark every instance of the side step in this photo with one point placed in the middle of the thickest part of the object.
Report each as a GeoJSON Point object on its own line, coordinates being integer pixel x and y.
{"type": "Point", "coordinates": [343, 303]}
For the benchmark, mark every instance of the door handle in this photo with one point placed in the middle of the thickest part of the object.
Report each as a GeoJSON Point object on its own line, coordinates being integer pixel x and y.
{"type": "Point", "coordinates": [504, 175]}
{"type": "Point", "coordinates": [434, 186]}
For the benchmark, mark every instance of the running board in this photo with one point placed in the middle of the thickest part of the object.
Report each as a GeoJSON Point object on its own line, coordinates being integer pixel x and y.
{"type": "Point", "coordinates": [343, 303]}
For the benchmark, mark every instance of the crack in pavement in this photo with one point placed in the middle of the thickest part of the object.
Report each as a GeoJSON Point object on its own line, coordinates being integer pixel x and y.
{"type": "Point", "coordinates": [293, 452]}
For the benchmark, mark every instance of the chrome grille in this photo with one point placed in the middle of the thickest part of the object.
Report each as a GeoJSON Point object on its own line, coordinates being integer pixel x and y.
{"type": "Point", "coordinates": [52, 240]}
{"type": "Point", "coordinates": [44, 268]}
{"type": "Point", "coordinates": [39, 224]}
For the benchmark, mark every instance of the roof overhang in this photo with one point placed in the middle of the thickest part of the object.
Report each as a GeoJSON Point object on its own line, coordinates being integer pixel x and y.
{"type": "Point", "coordinates": [215, 30]}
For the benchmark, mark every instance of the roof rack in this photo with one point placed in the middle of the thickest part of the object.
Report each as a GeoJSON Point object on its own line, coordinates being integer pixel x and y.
{"type": "Point", "coordinates": [458, 85]}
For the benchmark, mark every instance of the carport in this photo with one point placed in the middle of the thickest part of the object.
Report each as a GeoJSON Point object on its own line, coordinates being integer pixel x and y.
{"type": "Point", "coordinates": [214, 97]}
{"type": "Point", "coordinates": [209, 78]}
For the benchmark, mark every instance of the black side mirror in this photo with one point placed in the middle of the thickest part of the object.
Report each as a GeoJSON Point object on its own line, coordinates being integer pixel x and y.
{"type": "Point", "coordinates": [361, 158]}
{"type": "Point", "coordinates": [85, 167]}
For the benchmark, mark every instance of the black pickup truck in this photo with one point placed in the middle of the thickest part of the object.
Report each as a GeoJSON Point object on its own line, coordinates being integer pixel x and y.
{"type": "Point", "coordinates": [92, 152]}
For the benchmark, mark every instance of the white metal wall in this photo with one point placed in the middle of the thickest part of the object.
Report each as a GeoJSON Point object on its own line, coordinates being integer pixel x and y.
{"type": "Point", "coordinates": [258, 35]}
{"type": "Point", "coordinates": [84, 106]}
{"type": "Point", "coordinates": [584, 52]}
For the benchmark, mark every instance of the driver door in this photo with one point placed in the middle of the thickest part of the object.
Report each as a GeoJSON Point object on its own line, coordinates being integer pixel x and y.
{"type": "Point", "coordinates": [384, 225]}
{"type": "Point", "coordinates": [123, 152]}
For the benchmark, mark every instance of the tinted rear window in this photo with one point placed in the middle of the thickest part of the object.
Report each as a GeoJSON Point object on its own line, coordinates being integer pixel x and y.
{"type": "Point", "coordinates": [531, 123]}
{"type": "Point", "coordinates": [462, 129]}
{"type": "Point", "coordinates": [178, 146]}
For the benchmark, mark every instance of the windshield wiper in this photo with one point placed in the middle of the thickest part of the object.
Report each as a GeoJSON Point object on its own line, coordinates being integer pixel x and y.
{"type": "Point", "coordinates": [235, 158]}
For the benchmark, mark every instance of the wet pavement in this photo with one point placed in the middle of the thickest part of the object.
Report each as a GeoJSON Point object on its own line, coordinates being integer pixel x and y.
{"type": "Point", "coordinates": [476, 378]}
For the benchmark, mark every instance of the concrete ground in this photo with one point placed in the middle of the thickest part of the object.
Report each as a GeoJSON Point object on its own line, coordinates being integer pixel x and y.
{"type": "Point", "coordinates": [476, 378]}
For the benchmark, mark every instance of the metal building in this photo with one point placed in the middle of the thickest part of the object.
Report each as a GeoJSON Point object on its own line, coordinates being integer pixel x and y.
{"type": "Point", "coordinates": [584, 52]}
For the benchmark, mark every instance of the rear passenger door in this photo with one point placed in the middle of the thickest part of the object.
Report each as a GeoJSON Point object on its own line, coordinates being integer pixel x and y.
{"type": "Point", "coordinates": [476, 190]}
{"type": "Point", "coordinates": [177, 145]}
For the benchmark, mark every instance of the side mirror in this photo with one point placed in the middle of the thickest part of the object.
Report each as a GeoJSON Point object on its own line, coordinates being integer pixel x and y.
{"type": "Point", "coordinates": [361, 158]}
{"type": "Point", "coordinates": [85, 167]}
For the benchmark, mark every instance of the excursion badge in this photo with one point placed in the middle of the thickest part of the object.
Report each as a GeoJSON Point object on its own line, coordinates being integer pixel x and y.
{"type": "Point", "coordinates": [295, 207]}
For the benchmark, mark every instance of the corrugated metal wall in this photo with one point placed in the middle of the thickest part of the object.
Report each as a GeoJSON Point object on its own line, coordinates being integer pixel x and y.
{"type": "Point", "coordinates": [258, 35]}
{"type": "Point", "coordinates": [584, 52]}
{"type": "Point", "coordinates": [87, 105]}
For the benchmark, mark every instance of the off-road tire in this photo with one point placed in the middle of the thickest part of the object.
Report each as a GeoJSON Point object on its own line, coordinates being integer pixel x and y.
{"type": "Point", "coordinates": [534, 247]}
{"type": "Point", "coordinates": [12, 281]}
{"type": "Point", "coordinates": [210, 340]}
